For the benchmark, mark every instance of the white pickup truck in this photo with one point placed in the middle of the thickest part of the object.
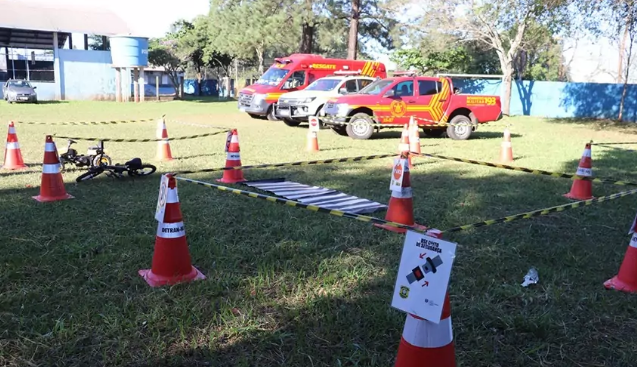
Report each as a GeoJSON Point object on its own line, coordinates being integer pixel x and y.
{"type": "Point", "coordinates": [295, 107]}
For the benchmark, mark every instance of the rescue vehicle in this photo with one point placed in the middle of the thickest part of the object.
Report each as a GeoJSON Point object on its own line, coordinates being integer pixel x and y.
{"type": "Point", "coordinates": [295, 107]}
{"type": "Point", "coordinates": [294, 73]}
{"type": "Point", "coordinates": [433, 101]}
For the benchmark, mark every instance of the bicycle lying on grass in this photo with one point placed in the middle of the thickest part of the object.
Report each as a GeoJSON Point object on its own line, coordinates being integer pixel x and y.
{"type": "Point", "coordinates": [134, 168]}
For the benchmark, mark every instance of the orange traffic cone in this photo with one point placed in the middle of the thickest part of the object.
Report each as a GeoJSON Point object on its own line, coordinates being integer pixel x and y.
{"type": "Point", "coordinates": [583, 189]}
{"type": "Point", "coordinates": [626, 279]}
{"type": "Point", "coordinates": [171, 258]}
{"type": "Point", "coordinates": [414, 137]}
{"type": "Point", "coordinates": [506, 150]}
{"type": "Point", "coordinates": [12, 153]}
{"type": "Point", "coordinates": [425, 343]}
{"type": "Point", "coordinates": [403, 147]}
{"type": "Point", "coordinates": [233, 159]}
{"type": "Point", "coordinates": [312, 136]}
{"type": "Point", "coordinates": [52, 185]}
{"type": "Point", "coordinates": [163, 146]}
{"type": "Point", "coordinates": [401, 206]}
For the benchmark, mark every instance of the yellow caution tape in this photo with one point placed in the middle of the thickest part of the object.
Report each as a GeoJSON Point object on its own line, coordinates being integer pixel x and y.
{"type": "Point", "coordinates": [85, 123]}
{"type": "Point", "coordinates": [296, 204]}
{"type": "Point", "coordinates": [143, 140]}
{"type": "Point", "coordinates": [542, 212]}
{"type": "Point", "coordinates": [292, 164]}
{"type": "Point", "coordinates": [526, 170]}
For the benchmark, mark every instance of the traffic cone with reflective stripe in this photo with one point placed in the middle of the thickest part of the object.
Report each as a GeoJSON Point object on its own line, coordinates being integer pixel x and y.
{"type": "Point", "coordinates": [312, 136]}
{"type": "Point", "coordinates": [403, 147]}
{"type": "Point", "coordinates": [233, 159]}
{"type": "Point", "coordinates": [583, 189]}
{"type": "Point", "coordinates": [171, 258]}
{"type": "Point", "coordinates": [12, 153]}
{"type": "Point", "coordinates": [52, 184]}
{"type": "Point", "coordinates": [626, 279]}
{"type": "Point", "coordinates": [506, 149]}
{"type": "Point", "coordinates": [401, 206]}
{"type": "Point", "coordinates": [163, 145]}
{"type": "Point", "coordinates": [425, 343]}
{"type": "Point", "coordinates": [414, 137]}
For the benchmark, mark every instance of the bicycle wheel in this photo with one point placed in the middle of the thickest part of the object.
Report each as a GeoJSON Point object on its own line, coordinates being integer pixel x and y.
{"type": "Point", "coordinates": [93, 172]}
{"type": "Point", "coordinates": [146, 170]}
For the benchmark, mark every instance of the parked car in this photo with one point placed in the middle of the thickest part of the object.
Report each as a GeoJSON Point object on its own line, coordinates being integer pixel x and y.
{"type": "Point", "coordinates": [15, 90]}
{"type": "Point", "coordinates": [295, 107]}
{"type": "Point", "coordinates": [432, 101]}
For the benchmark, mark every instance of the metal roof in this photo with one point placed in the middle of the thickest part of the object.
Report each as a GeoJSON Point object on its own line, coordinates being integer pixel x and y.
{"type": "Point", "coordinates": [31, 23]}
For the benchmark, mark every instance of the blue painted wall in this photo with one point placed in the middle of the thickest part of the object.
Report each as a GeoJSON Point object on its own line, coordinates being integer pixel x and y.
{"type": "Point", "coordinates": [557, 99]}
{"type": "Point", "coordinates": [129, 51]}
{"type": "Point", "coordinates": [87, 75]}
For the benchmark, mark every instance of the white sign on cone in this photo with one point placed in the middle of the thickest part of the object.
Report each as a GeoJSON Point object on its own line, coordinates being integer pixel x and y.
{"type": "Point", "coordinates": [423, 276]}
{"type": "Point", "coordinates": [314, 124]}
{"type": "Point", "coordinates": [400, 166]}
{"type": "Point", "coordinates": [161, 200]}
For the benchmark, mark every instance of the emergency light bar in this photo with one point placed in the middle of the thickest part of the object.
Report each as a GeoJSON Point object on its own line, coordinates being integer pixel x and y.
{"type": "Point", "coordinates": [406, 73]}
{"type": "Point", "coordinates": [346, 72]}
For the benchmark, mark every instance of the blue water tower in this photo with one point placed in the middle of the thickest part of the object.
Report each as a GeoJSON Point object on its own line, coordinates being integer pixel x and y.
{"type": "Point", "coordinates": [129, 52]}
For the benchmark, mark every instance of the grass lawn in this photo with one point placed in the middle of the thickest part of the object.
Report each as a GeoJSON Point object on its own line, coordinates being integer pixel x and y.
{"type": "Point", "coordinates": [289, 287]}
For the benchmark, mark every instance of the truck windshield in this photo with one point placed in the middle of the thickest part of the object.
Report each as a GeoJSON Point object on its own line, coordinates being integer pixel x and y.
{"type": "Point", "coordinates": [376, 87]}
{"type": "Point", "coordinates": [272, 77]}
{"type": "Point", "coordinates": [323, 85]}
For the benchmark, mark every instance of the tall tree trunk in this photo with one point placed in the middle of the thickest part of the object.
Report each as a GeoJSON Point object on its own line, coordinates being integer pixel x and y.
{"type": "Point", "coordinates": [352, 42]}
{"type": "Point", "coordinates": [626, 74]}
{"type": "Point", "coordinates": [307, 38]}
{"type": "Point", "coordinates": [622, 50]}
{"type": "Point", "coordinates": [261, 61]}
{"type": "Point", "coordinates": [507, 81]}
{"type": "Point", "coordinates": [307, 31]}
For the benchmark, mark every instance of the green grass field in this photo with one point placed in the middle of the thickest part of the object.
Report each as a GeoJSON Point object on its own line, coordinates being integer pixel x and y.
{"type": "Point", "coordinates": [286, 286]}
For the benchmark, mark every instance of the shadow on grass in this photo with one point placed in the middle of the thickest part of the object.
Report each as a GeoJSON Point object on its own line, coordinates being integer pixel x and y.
{"type": "Point", "coordinates": [396, 134]}
{"type": "Point", "coordinates": [52, 102]}
{"type": "Point", "coordinates": [208, 99]}
{"type": "Point", "coordinates": [599, 124]}
{"type": "Point", "coordinates": [286, 286]}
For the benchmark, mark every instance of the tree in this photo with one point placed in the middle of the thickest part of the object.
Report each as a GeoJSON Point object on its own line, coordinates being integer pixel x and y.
{"type": "Point", "coordinates": [623, 13]}
{"type": "Point", "coordinates": [243, 29]}
{"type": "Point", "coordinates": [162, 52]}
{"type": "Point", "coordinates": [454, 59]}
{"type": "Point", "coordinates": [192, 48]}
{"type": "Point", "coordinates": [500, 25]}
{"type": "Point", "coordinates": [366, 20]}
{"type": "Point", "coordinates": [99, 43]}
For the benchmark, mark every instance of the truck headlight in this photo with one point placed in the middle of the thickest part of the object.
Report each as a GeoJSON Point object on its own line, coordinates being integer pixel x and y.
{"type": "Point", "coordinates": [307, 100]}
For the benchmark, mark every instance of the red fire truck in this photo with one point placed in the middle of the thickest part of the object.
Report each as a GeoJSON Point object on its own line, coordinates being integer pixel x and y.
{"type": "Point", "coordinates": [432, 101]}
{"type": "Point", "coordinates": [296, 72]}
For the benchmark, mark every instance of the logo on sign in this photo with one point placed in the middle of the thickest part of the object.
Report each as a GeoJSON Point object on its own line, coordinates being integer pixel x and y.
{"type": "Point", "coordinates": [404, 292]}
{"type": "Point", "coordinates": [398, 108]}
{"type": "Point", "coordinates": [398, 171]}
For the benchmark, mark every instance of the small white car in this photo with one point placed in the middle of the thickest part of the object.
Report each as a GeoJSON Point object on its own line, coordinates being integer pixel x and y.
{"type": "Point", "coordinates": [295, 107]}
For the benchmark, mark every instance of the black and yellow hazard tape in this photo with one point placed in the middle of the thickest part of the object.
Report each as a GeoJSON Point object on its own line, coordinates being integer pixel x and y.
{"type": "Point", "coordinates": [142, 140]}
{"type": "Point", "coordinates": [618, 143]}
{"type": "Point", "coordinates": [527, 170]}
{"type": "Point", "coordinates": [542, 212]}
{"type": "Point", "coordinates": [292, 164]}
{"type": "Point", "coordinates": [85, 123]}
{"type": "Point", "coordinates": [296, 204]}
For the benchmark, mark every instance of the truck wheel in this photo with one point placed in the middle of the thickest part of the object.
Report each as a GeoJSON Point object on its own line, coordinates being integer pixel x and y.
{"type": "Point", "coordinates": [434, 133]}
{"type": "Point", "coordinates": [459, 128]}
{"type": "Point", "coordinates": [292, 123]}
{"type": "Point", "coordinates": [270, 116]}
{"type": "Point", "coordinates": [360, 126]}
